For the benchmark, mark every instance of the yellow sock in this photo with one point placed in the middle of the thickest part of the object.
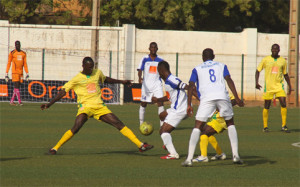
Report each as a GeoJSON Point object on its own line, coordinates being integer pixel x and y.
{"type": "Point", "coordinates": [283, 116]}
{"type": "Point", "coordinates": [67, 136]}
{"type": "Point", "coordinates": [213, 141]}
{"type": "Point", "coordinates": [203, 145]}
{"type": "Point", "coordinates": [129, 134]}
{"type": "Point", "coordinates": [265, 117]}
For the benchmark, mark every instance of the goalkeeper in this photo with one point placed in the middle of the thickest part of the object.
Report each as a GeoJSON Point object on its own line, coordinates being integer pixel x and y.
{"type": "Point", "coordinates": [86, 86]}
{"type": "Point", "coordinates": [18, 60]}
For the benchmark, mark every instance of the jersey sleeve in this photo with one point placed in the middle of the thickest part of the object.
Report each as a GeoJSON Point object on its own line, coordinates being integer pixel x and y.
{"type": "Point", "coordinates": [102, 77]}
{"type": "Point", "coordinates": [261, 65]}
{"type": "Point", "coordinates": [225, 72]}
{"type": "Point", "coordinates": [70, 85]}
{"type": "Point", "coordinates": [194, 76]}
{"type": "Point", "coordinates": [142, 64]}
{"type": "Point", "coordinates": [25, 63]}
{"type": "Point", "coordinates": [9, 62]}
{"type": "Point", "coordinates": [284, 68]}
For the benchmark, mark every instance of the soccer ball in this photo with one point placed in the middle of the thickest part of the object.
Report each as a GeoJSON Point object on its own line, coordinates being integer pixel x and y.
{"type": "Point", "coordinates": [146, 128]}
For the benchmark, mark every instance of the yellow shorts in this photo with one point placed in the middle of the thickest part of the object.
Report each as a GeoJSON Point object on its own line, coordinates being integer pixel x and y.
{"type": "Point", "coordinates": [17, 77]}
{"type": "Point", "coordinates": [218, 127]}
{"type": "Point", "coordinates": [270, 95]}
{"type": "Point", "coordinates": [95, 112]}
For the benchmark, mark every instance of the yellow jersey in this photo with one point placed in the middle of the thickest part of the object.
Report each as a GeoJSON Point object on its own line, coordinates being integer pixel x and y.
{"type": "Point", "coordinates": [274, 71]}
{"type": "Point", "coordinates": [87, 88]}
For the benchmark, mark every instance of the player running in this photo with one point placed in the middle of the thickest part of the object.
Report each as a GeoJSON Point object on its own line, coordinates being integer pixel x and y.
{"type": "Point", "coordinates": [86, 86]}
{"type": "Point", "coordinates": [18, 59]}
{"type": "Point", "coordinates": [151, 84]}
{"type": "Point", "coordinates": [275, 69]}
{"type": "Point", "coordinates": [210, 78]}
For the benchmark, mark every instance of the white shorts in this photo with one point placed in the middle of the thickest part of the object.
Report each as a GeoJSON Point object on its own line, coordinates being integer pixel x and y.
{"type": "Point", "coordinates": [207, 109]}
{"type": "Point", "coordinates": [174, 118]}
{"type": "Point", "coordinates": [147, 95]}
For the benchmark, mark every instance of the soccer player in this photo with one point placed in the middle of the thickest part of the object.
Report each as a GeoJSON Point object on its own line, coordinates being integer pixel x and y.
{"type": "Point", "coordinates": [215, 124]}
{"type": "Point", "coordinates": [210, 77]}
{"type": "Point", "coordinates": [178, 111]}
{"type": "Point", "coordinates": [18, 57]}
{"type": "Point", "coordinates": [151, 83]}
{"type": "Point", "coordinates": [275, 69]}
{"type": "Point", "coordinates": [86, 86]}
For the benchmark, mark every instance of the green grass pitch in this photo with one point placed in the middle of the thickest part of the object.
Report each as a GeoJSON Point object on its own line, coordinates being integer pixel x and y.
{"type": "Point", "coordinates": [100, 156]}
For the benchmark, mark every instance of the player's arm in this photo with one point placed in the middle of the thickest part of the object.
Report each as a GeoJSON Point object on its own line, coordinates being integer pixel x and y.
{"type": "Point", "coordinates": [287, 79]}
{"type": "Point", "coordinates": [140, 73]}
{"type": "Point", "coordinates": [162, 99]}
{"type": "Point", "coordinates": [257, 85]}
{"type": "Point", "coordinates": [117, 81]}
{"type": "Point", "coordinates": [231, 85]}
{"type": "Point", "coordinates": [26, 67]}
{"type": "Point", "coordinates": [8, 66]}
{"type": "Point", "coordinates": [190, 89]}
{"type": "Point", "coordinates": [60, 95]}
{"type": "Point", "coordinates": [195, 94]}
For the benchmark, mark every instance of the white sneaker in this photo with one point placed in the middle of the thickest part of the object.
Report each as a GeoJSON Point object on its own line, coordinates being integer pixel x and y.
{"type": "Point", "coordinates": [237, 160]}
{"type": "Point", "coordinates": [170, 157]}
{"type": "Point", "coordinates": [201, 159]}
{"type": "Point", "coordinates": [219, 157]}
{"type": "Point", "coordinates": [187, 163]}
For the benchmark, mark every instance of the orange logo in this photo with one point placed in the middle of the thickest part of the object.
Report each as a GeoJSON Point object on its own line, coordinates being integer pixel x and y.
{"type": "Point", "coordinates": [3, 90]}
{"type": "Point", "coordinates": [91, 88]}
{"type": "Point", "coordinates": [275, 69]}
{"type": "Point", "coordinates": [152, 69]}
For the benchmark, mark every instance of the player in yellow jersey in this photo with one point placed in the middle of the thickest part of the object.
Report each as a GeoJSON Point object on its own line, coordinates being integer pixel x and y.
{"type": "Point", "coordinates": [86, 86]}
{"type": "Point", "coordinates": [275, 70]}
{"type": "Point", "coordinates": [216, 124]}
{"type": "Point", "coordinates": [17, 61]}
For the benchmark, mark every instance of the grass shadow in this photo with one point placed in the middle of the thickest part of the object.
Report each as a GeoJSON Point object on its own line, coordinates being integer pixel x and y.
{"type": "Point", "coordinates": [9, 159]}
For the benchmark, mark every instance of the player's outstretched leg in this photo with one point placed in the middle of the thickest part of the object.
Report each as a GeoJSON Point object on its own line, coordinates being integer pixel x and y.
{"type": "Point", "coordinates": [66, 137]}
{"type": "Point", "coordinates": [167, 139]}
{"type": "Point", "coordinates": [192, 146]}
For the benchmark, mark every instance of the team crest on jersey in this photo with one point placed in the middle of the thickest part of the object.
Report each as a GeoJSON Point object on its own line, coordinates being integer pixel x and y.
{"type": "Point", "coordinates": [19, 57]}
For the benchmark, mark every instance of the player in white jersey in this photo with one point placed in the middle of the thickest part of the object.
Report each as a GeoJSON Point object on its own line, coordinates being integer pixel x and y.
{"type": "Point", "coordinates": [177, 111]}
{"type": "Point", "coordinates": [151, 83]}
{"type": "Point", "coordinates": [210, 77]}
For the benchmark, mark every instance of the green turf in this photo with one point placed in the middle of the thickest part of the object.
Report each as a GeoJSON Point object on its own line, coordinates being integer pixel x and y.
{"type": "Point", "coordinates": [100, 156]}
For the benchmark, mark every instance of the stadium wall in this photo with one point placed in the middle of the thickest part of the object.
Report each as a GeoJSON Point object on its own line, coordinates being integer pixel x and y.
{"type": "Point", "coordinates": [121, 49]}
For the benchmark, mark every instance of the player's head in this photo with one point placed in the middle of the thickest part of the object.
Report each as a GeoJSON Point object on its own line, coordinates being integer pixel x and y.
{"type": "Point", "coordinates": [275, 50]}
{"type": "Point", "coordinates": [208, 54]}
{"type": "Point", "coordinates": [163, 69]}
{"type": "Point", "coordinates": [88, 65]}
{"type": "Point", "coordinates": [153, 48]}
{"type": "Point", "coordinates": [18, 45]}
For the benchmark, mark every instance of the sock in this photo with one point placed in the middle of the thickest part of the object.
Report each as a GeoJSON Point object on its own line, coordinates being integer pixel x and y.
{"type": "Point", "coordinates": [13, 96]}
{"type": "Point", "coordinates": [18, 95]}
{"type": "Point", "coordinates": [203, 145]}
{"type": "Point", "coordinates": [265, 117]}
{"type": "Point", "coordinates": [129, 134]}
{"type": "Point", "coordinates": [193, 142]}
{"type": "Point", "coordinates": [283, 116]}
{"type": "Point", "coordinates": [160, 110]}
{"type": "Point", "coordinates": [214, 143]}
{"type": "Point", "coordinates": [142, 114]}
{"type": "Point", "coordinates": [67, 136]}
{"type": "Point", "coordinates": [167, 139]}
{"type": "Point", "coordinates": [233, 140]}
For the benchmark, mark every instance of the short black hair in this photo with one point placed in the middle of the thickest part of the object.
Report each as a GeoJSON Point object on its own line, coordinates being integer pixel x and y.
{"type": "Point", "coordinates": [208, 53]}
{"type": "Point", "coordinates": [87, 60]}
{"type": "Point", "coordinates": [164, 64]}
{"type": "Point", "coordinates": [17, 42]}
{"type": "Point", "coordinates": [153, 43]}
{"type": "Point", "coordinates": [275, 45]}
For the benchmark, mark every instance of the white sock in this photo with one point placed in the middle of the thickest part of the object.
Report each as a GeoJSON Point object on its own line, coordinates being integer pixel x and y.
{"type": "Point", "coordinates": [167, 139]}
{"type": "Point", "coordinates": [193, 142]}
{"type": "Point", "coordinates": [160, 110]}
{"type": "Point", "coordinates": [142, 114]}
{"type": "Point", "coordinates": [233, 140]}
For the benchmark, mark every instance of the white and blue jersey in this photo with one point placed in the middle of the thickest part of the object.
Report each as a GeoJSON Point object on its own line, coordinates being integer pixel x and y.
{"type": "Point", "coordinates": [210, 81]}
{"type": "Point", "coordinates": [178, 96]}
{"type": "Point", "coordinates": [151, 79]}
